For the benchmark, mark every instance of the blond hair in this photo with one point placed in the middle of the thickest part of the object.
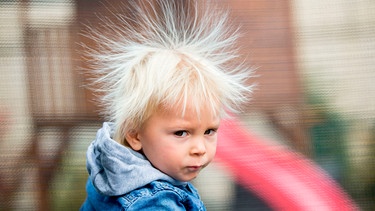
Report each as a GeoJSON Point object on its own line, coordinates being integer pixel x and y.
{"type": "Point", "coordinates": [168, 52]}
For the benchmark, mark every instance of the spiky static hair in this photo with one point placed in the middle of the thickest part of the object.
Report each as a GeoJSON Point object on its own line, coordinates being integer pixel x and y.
{"type": "Point", "coordinates": [167, 52]}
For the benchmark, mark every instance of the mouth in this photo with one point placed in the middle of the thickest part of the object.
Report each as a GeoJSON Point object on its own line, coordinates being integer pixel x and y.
{"type": "Point", "coordinates": [194, 168]}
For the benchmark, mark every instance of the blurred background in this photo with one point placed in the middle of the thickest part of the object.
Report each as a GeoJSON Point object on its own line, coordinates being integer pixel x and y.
{"type": "Point", "coordinates": [315, 95]}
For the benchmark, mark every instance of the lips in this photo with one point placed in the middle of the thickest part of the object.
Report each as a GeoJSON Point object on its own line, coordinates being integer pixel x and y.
{"type": "Point", "coordinates": [194, 168]}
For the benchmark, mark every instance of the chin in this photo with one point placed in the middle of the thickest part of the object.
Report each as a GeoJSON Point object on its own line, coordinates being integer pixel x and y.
{"type": "Point", "coordinates": [190, 179]}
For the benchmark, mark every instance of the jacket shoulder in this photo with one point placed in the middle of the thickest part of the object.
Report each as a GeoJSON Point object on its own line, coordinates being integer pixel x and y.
{"type": "Point", "coordinates": [161, 195]}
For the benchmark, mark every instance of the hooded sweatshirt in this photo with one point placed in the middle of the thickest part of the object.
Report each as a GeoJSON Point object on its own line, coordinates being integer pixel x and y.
{"type": "Point", "coordinates": [123, 179]}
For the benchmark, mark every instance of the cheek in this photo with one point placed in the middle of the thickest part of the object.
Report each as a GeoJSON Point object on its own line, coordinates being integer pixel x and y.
{"type": "Point", "coordinates": [213, 149]}
{"type": "Point", "coordinates": [213, 146]}
{"type": "Point", "coordinates": [162, 147]}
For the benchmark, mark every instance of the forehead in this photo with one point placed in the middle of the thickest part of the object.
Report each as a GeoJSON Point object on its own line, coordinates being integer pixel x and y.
{"type": "Point", "coordinates": [191, 107]}
{"type": "Point", "coordinates": [187, 112]}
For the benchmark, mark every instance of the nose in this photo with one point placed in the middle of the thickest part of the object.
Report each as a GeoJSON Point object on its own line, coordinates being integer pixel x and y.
{"type": "Point", "coordinates": [198, 146]}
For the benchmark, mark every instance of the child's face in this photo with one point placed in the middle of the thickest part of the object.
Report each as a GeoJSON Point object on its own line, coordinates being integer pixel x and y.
{"type": "Point", "coordinates": [180, 146]}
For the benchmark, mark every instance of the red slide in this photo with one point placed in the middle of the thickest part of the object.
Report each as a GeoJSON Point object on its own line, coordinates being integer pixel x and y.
{"type": "Point", "coordinates": [284, 179]}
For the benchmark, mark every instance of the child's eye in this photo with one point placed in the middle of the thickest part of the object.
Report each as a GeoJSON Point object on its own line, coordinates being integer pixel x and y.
{"type": "Point", "coordinates": [181, 133]}
{"type": "Point", "coordinates": [210, 132]}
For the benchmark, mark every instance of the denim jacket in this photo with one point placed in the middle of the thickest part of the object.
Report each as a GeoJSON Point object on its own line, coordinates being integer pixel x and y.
{"type": "Point", "coordinates": [123, 179]}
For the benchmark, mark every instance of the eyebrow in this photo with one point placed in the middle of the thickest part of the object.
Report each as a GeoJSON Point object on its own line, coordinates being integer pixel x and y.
{"type": "Point", "coordinates": [185, 125]}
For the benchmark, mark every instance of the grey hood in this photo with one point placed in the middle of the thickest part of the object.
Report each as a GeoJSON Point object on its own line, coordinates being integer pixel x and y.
{"type": "Point", "coordinates": [115, 169]}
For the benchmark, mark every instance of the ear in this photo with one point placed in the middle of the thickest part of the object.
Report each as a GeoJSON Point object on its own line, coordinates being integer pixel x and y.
{"type": "Point", "coordinates": [132, 137]}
